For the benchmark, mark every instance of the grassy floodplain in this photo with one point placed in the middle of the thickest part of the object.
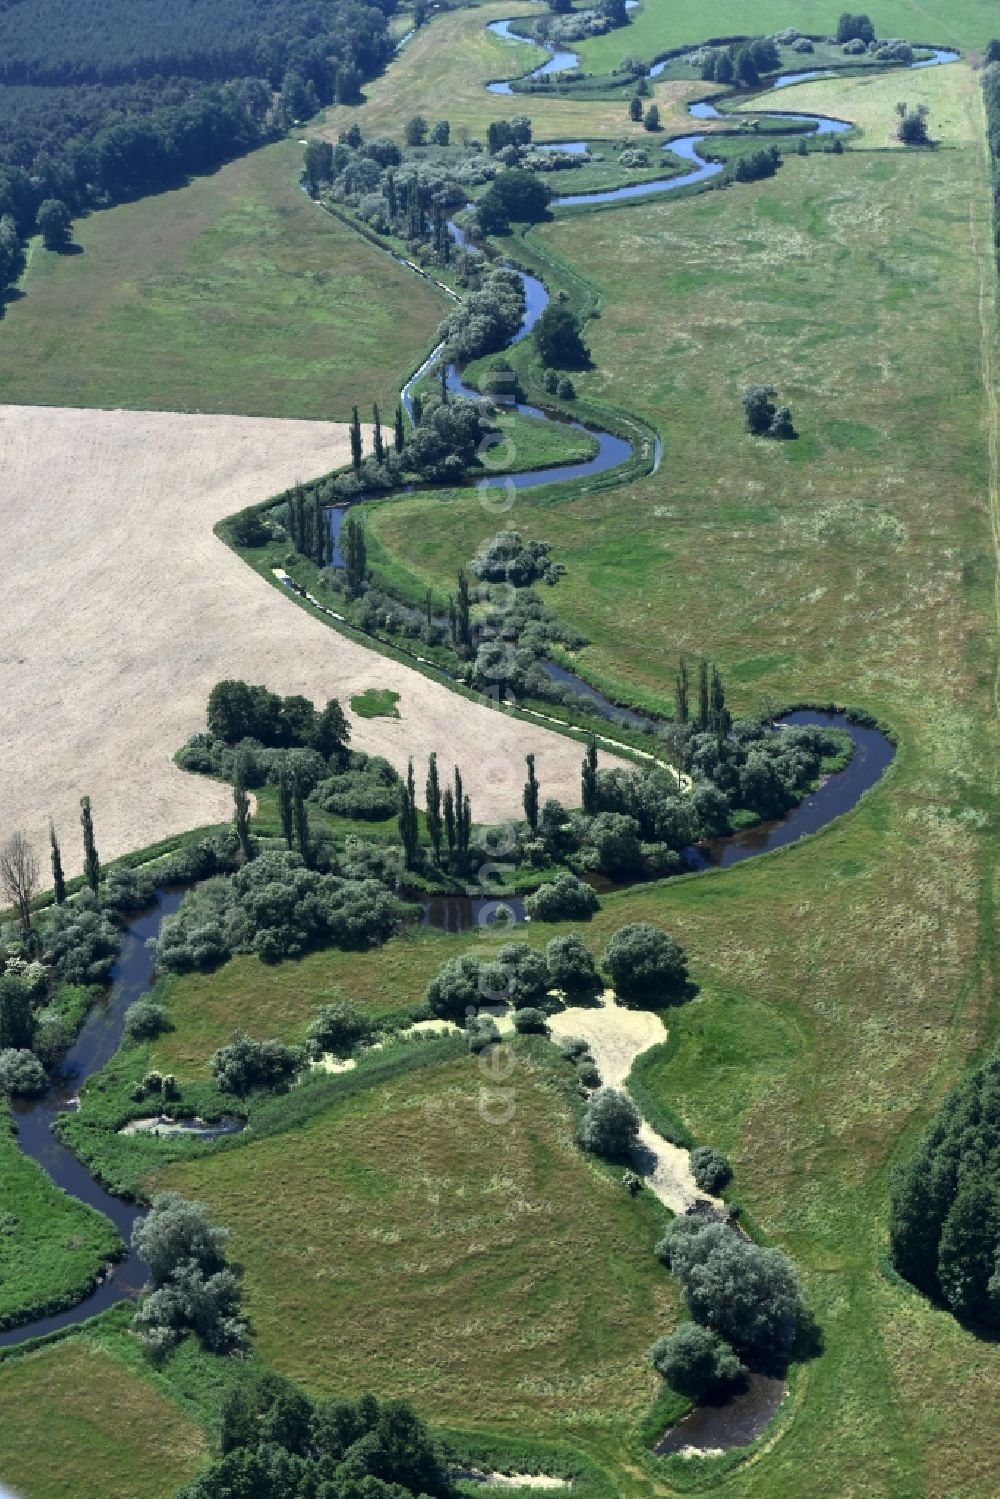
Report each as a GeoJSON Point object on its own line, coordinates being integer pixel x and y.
{"type": "Point", "coordinates": [658, 26]}
{"type": "Point", "coordinates": [438, 1249]}
{"type": "Point", "coordinates": [78, 1417]}
{"type": "Point", "coordinates": [444, 70]}
{"type": "Point", "coordinates": [846, 982]}
{"type": "Point", "coordinates": [233, 294]}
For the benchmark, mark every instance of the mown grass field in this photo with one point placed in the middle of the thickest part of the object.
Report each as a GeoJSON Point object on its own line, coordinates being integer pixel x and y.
{"type": "Point", "coordinates": [662, 24]}
{"type": "Point", "coordinates": [417, 1240]}
{"type": "Point", "coordinates": [51, 1246]}
{"type": "Point", "coordinates": [76, 1418]}
{"type": "Point", "coordinates": [234, 294]}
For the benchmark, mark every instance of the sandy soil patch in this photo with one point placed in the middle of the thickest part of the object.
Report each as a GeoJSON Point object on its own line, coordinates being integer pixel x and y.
{"type": "Point", "coordinates": [616, 1036]}
{"type": "Point", "coordinates": [122, 610]}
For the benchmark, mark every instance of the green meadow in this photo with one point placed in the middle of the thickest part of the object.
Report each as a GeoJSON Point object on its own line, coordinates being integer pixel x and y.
{"type": "Point", "coordinates": [233, 294]}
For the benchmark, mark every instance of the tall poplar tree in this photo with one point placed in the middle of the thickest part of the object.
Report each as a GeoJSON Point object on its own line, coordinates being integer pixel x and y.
{"type": "Point", "coordinates": [378, 447]}
{"type": "Point", "coordinates": [241, 815]}
{"type": "Point", "coordinates": [285, 803]}
{"type": "Point", "coordinates": [433, 798]}
{"type": "Point", "coordinates": [399, 431]}
{"type": "Point", "coordinates": [58, 878]}
{"type": "Point", "coordinates": [463, 610]}
{"type": "Point", "coordinates": [355, 554]}
{"type": "Point", "coordinates": [681, 692]}
{"type": "Point", "coordinates": [356, 442]}
{"type": "Point", "coordinates": [530, 795]}
{"type": "Point", "coordinates": [588, 779]}
{"type": "Point", "coordinates": [91, 863]}
{"type": "Point", "coordinates": [704, 711]}
{"type": "Point", "coordinates": [300, 816]}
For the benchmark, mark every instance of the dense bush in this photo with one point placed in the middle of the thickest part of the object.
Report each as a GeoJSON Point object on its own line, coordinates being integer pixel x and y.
{"type": "Point", "coordinates": [194, 1290]}
{"type": "Point", "coordinates": [21, 1073]}
{"type": "Point", "coordinates": [487, 319]}
{"type": "Point", "coordinates": [276, 1443]}
{"type": "Point", "coordinates": [749, 1295]}
{"type": "Point", "coordinates": [368, 791]}
{"type": "Point", "coordinates": [519, 975]}
{"type": "Point", "coordinates": [126, 889]}
{"type": "Point", "coordinates": [454, 992]}
{"type": "Point", "coordinates": [944, 1216]}
{"type": "Point", "coordinates": [246, 1064]}
{"type": "Point", "coordinates": [646, 966]}
{"type": "Point", "coordinates": [566, 898]}
{"type": "Point", "coordinates": [274, 906]}
{"type": "Point", "coordinates": [144, 1020]}
{"type": "Point", "coordinates": [610, 1125]}
{"type": "Point", "coordinates": [558, 339]}
{"type": "Point", "coordinates": [81, 943]}
{"type": "Point", "coordinates": [513, 196]}
{"type": "Point", "coordinates": [530, 1020]}
{"type": "Point", "coordinates": [506, 558]}
{"type": "Point", "coordinates": [710, 1169]}
{"type": "Point", "coordinates": [17, 1021]}
{"type": "Point", "coordinates": [695, 1361]}
{"type": "Point", "coordinates": [339, 1028]}
{"type": "Point", "coordinates": [612, 844]}
{"type": "Point", "coordinates": [571, 967]}
{"type": "Point", "coordinates": [238, 711]}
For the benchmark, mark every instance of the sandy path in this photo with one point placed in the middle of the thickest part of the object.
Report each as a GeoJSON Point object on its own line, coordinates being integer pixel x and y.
{"type": "Point", "coordinates": [616, 1036]}
{"type": "Point", "coordinates": [122, 609]}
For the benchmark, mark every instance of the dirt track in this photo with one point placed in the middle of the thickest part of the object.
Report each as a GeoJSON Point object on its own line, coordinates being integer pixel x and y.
{"type": "Point", "coordinates": [122, 609]}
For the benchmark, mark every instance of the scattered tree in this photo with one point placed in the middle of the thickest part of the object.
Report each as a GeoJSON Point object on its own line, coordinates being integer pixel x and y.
{"type": "Point", "coordinates": [19, 878]}
{"type": "Point", "coordinates": [571, 967]}
{"type": "Point", "coordinates": [646, 966]}
{"type": "Point", "coordinates": [610, 1124]}
{"type": "Point", "coordinates": [696, 1362]}
{"type": "Point", "coordinates": [54, 224]}
{"type": "Point", "coordinates": [651, 119]}
{"type": "Point", "coordinates": [710, 1169]}
{"type": "Point", "coordinates": [635, 108]}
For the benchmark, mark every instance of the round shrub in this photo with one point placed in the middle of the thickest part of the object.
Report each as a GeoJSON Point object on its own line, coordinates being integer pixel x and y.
{"type": "Point", "coordinates": [245, 1064]}
{"type": "Point", "coordinates": [529, 1020]}
{"type": "Point", "coordinates": [455, 990]}
{"type": "Point", "coordinates": [696, 1361]}
{"type": "Point", "coordinates": [565, 899]}
{"type": "Point", "coordinates": [339, 1028]}
{"type": "Point", "coordinates": [144, 1020]}
{"type": "Point", "coordinates": [710, 1169]}
{"type": "Point", "coordinates": [482, 1032]}
{"type": "Point", "coordinates": [524, 972]}
{"type": "Point", "coordinates": [589, 1074]}
{"type": "Point", "coordinates": [574, 1048]}
{"type": "Point", "coordinates": [571, 967]}
{"type": "Point", "coordinates": [610, 1124]}
{"type": "Point", "coordinates": [21, 1073]}
{"type": "Point", "coordinates": [646, 966]}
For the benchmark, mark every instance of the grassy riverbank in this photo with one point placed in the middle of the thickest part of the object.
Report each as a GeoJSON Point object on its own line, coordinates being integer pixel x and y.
{"type": "Point", "coordinates": [234, 294]}
{"type": "Point", "coordinates": [52, 1248]}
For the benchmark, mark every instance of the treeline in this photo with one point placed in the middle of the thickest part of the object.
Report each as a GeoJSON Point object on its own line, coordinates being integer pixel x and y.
{"type": "Point", "coordinates": [944, 1220]}
{"type": "Point", "coordinates": [136, 98]}
{"type": "Point", "coordinates": [119, 41]}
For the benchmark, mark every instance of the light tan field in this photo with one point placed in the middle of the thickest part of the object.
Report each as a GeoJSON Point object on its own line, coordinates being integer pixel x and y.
{"type": "Point", "coordinates": [122, 609]}
{"type": "Point", "coordinates": [869, 101]}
